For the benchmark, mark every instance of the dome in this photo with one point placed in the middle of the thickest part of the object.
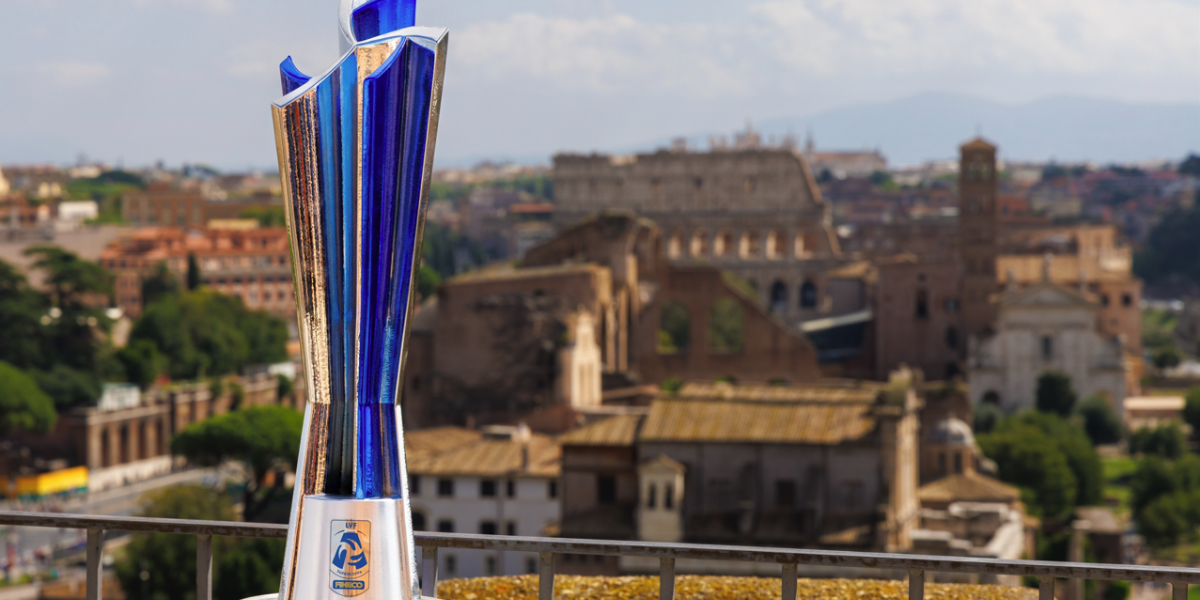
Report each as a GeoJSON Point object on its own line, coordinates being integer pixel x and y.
{"type": "Point", "coordinates": [952, 432]}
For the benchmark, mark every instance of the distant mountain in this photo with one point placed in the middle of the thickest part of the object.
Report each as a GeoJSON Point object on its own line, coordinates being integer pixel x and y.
{"type": "Point", "coordinates": [931, 126]}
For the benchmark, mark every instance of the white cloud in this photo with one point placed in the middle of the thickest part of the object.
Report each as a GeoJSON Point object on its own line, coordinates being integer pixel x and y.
{"type": "Point", "coordinates": [610, 51]}
{"type": "Point", "coordinates": [608, 54]}
{"type": "Point", "coordinates": [71, 75]}
{"type": "Point", "coordinates": [216, 7]}
{"type": "Point", "coordinates": [1063, 36]}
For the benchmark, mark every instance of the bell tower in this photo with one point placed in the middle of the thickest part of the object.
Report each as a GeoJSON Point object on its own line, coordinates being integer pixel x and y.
{"type": "Point", "coordinates": [977, 234]}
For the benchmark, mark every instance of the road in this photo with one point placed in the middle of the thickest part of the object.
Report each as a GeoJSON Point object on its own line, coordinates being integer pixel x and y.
{"type": "Point", "coordinates": [30, 546]}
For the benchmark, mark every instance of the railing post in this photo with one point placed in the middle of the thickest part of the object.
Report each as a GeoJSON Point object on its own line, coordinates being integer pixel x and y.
{"type": "Point", "coordinates": [666, 579]}
{"type": "Point", "coordinates": [916, 584]}
{"type": "Point", "coordinates": [429, 571]}
{"type": "Point", "coordinates": [95, 547]}
{"type": "Point", "coordinates": [1179, 591]}
{"type": "Point", "coordinates": [546, 576]}
{"type": "Point", "coordinates": [789, 581]}
{"type": "Point", "coordinates": [204, 567]}
{"type": "Point", "coordinates": [1045, 588]}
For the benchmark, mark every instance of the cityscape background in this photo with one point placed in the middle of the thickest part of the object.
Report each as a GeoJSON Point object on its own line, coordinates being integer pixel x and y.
{"type": "Point", "coordinates": [913, 277]}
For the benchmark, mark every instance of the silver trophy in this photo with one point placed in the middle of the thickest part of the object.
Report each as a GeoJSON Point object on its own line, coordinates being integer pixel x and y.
{"type": "Point", "coordinates": [355, 154]}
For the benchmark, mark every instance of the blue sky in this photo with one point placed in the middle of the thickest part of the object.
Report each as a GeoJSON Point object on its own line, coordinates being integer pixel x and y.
{"type": "Point", "coordinates": [191, 80]}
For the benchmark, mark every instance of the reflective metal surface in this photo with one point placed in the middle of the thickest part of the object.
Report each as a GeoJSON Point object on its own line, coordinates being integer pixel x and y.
{"type": "Point", "coordinates": [355, 149]}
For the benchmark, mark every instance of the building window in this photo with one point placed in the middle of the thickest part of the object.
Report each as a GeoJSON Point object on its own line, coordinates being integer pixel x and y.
{"type": "Point", "coordinates": [446, 488]}
{"type": "Point", "coordinates": [446, 526]}
{"type": "Point", "coordinates": [489, 565]}
{"type": "Point", "coordinates": [510, 528]}
{"type": "Point", "coordinates": [606, 489]}
{"type": "Point", "coordinates": [652, 496]}
{"type": "Point", "coordinates": [785, 493]}
{"type": "Point", "coordinates": [922, 311]}
{"type": "Point", "coordinates": [487, 527]}
{"type": "Point", "coordinates": [531, 566]}
{"type": "Point", "coordinates": [958, 467]}
{"type": "Point", "coordinates": [1126, 300]}
{"type": "Point", "coordinates": [414, 485]}
{"type": "Point", "coordinates": [669, 496]}
{"type": "Point", "coordinates": [808, 295]}
{"type": "Point", "coordinates": [1104, 299]}
{"type": "Point", "coordinates": [418, 521]}
{"type": "Point", "coordinates": [553, 489]}
{"type": "Point", "coordinates": [952, 338]}
{"type": "Point", "coordinates": [951, 305]}
{"type": "Point", "coordinates": [779, 296]}
{"type": "Point", "coordinates": [487, 488]}
{"type": "Point", "coordinates": [451, 565]}
{"type": "Point", "coordinates": [941, 463]}
{"type": "Point", "coordinates": [1047, 347]}
{"type": "Point", "coordinates": [510, 488]}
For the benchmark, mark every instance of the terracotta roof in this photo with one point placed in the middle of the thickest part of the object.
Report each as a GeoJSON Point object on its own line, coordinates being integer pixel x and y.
{"type": "Point", "coordinates": [620, 430]}
{"type": "Point", "coordinates": [438, 439]}
{"type": "Point", "coordinates": [729, 422]}
{"type": "Point", "coordinates": [537, 456]}
{"type": "Point", "coordinates": [821, 393]}
{"type": "Point", "coordinates": [968, 487]}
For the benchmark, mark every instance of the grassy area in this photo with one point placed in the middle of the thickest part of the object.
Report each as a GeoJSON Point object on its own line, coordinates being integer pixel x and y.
{"type": "Point", "coordinates": [1117, 472]}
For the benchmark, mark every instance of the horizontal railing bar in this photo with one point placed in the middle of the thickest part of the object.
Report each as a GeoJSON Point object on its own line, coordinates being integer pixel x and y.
{"type": "Point", "coordinates": [830, 558]}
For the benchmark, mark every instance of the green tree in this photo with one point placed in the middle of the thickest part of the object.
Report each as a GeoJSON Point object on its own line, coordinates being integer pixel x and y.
{"type": "Point", "coordinates": [78, 289]}
{"type": "Point", "coordinates": [69, 388]}
{"type": "Point", "coordinates": [267, 216]}
{"type": "Point", "coordinates": [1165, 497]}
{"type": "Point", "coordinates": [260, 438]}
{"type": "Point", "coordinates": [206, 333]}
{"type": "Point", "coordinates": [142, 362]}
{"type": "Point", "coordinates": [428, 281]}
{"type": "Point", "coordinates": [159, 284]}
{"type": "Point", "coordinates": [21, 311]}
{"type": "Point", "coordinates": [1171, 248]}
{"type": "Point", "coordinates": [1166, 358]}
{"type": "Point", "coordinates": [285, 388]}
{"type": "Point", "coordinates": [23, 405]}
{"type": "Point", "coordinates": [1055, 394]}
{"type": "Point", "coordinates": [1051, 459]}
{"type": "Point", "coordinates": [241, 567]}
{"type": "Point", "coordinates": [1190, 165]}
{"type": "Point", "coordinates": [675, 329]}
{"type": "Point", "coordinates": [194, 280]}
{"type": "Point", "coordinates": [1100, 421]}
{"type": "Point", "coordinates": [1191, 410]}
{"type": "Point", "coordinates": [1167, 441]}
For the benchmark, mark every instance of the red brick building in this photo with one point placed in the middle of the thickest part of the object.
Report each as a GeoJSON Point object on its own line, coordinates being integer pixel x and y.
{"type": "Point", "coordinates": [252, 264]}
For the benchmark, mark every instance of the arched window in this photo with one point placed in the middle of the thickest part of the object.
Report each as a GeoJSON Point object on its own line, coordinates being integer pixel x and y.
{"type": "Point", "coordinates": [749, 248]}
{"type": "Point", "coordinates": [922, 311]}
{"type": "Point", "coordinates": [808, 295]}
{"type": "Point", "coordinates": [725, 327]}
{"type": "Point", "coordinates": [723, 244]}
{"type": "Point", "coordinates": [779, 296]}
{"type": "Point", "coordinates": [774, 245]}
{"type": "Point", "coordinates": [675, 246]}
{"type": "Point", "coordinates": [952, 338]}
{"type": "Point", "coordinates": [699, 244]}
{"type": "Point", "coordinates": [675, 329]}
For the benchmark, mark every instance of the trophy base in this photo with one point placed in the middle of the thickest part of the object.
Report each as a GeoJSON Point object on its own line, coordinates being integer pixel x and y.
{"type": "Point", "coordinates": [354, 549]}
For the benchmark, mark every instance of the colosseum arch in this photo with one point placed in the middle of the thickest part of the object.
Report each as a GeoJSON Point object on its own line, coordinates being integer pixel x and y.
{"type": "Point", "coordinates": [723, 243]}
{"type": "Point", "coordinates": [699, 244]}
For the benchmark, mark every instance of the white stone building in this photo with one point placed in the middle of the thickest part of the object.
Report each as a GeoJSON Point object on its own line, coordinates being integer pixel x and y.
{"type": "Point", "coordinates": [1045, 327]}
{"type": "Point", "coordinates": [501, 481]}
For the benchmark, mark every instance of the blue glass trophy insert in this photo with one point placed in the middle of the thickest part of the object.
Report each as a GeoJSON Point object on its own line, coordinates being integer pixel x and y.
{"type": "Point", "coordinates": [355, 154]}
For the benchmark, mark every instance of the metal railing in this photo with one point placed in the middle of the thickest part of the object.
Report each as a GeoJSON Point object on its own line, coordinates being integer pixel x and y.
{"type": "Point", "coordinates": [546, 548]}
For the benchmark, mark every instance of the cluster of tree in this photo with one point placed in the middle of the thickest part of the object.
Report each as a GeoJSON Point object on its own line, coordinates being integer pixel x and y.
{"type": "Point", "coordinates": [1050, 458]}
{"type": "Point", "coordinates": [267, 216]}
{"type": "Point", "coordinates": [203, 333]}
{"type": "Point", "coordinates": [1170, 249]}
{"type": "Point", "coordinates": [261, 438]}
{"type": "Point", "coordinates": [1166, 441]}
{"type": "Point", "coordinates": [107, 189]}
{"type": "Point", "coordinates": [1165, 498]}
{"type": "Point", "coordinates": [447, 253]}
{"type": "Point", "coordinates": [54, 335]}
{"type": "Point", "coordinates": [161, 566]}
{"type": "Point", "coordinates": [538, 186]}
